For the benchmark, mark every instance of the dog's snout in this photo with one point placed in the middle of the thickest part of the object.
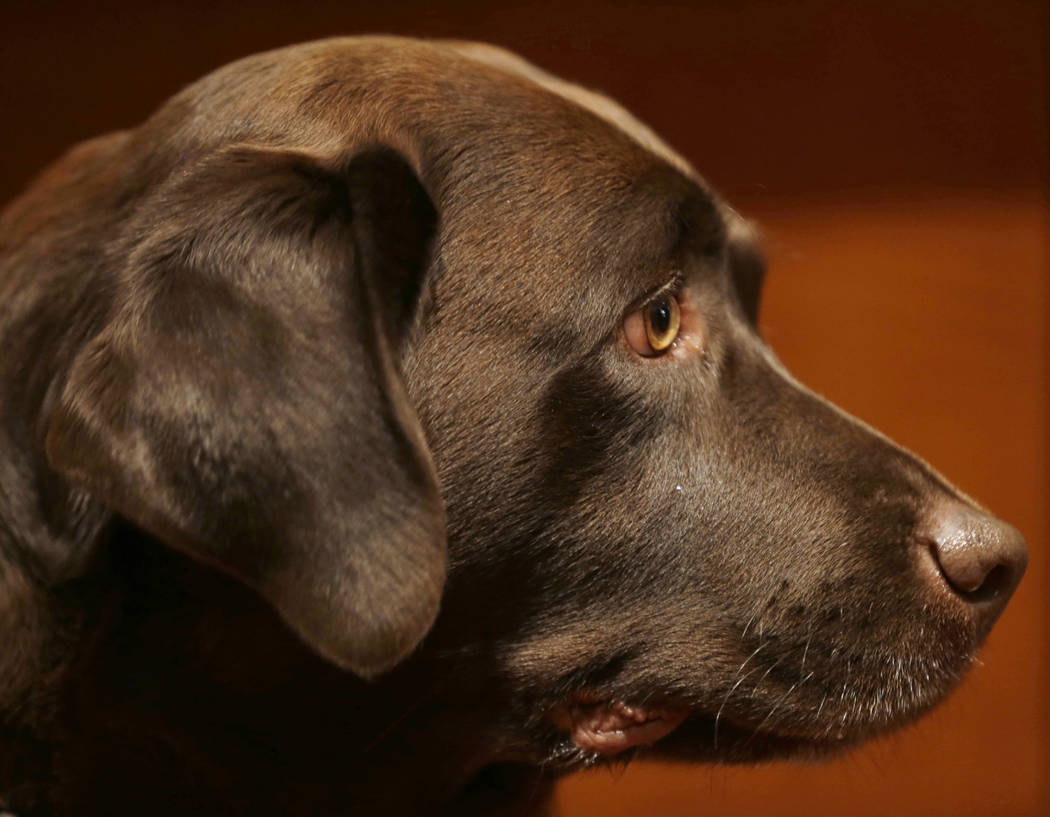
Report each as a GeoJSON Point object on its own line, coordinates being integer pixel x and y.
{"type": "Point", "coordinates": [979, 557]}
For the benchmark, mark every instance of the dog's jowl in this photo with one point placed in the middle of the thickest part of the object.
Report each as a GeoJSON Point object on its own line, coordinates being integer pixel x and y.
{"type": "Point", "coordinates": [385, 429]}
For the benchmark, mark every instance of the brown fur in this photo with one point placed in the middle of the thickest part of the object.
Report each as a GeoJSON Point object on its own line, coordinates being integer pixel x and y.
{"type": "Point", "coordinates": [326, 474]}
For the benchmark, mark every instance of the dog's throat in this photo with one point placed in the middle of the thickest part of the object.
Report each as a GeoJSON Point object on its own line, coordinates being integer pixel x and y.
{"type": "Point", "coordinates": [611, 727]}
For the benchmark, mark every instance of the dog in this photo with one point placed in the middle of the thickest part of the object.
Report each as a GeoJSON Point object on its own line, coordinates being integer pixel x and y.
{"type": "Point", "coordinates": [385, 429]}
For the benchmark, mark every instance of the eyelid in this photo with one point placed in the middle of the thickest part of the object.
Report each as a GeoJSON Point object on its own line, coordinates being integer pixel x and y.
{"type": "Point", "coordinates": [672, 287]}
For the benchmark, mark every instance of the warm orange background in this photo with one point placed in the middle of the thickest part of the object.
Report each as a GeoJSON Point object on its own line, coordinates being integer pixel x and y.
{"type": "Point", "coordinates": [896, 155]}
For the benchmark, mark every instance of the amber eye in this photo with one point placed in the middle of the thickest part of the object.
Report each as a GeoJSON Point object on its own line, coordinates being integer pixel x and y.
{"type": "Point", "coordinates": [652, 329]}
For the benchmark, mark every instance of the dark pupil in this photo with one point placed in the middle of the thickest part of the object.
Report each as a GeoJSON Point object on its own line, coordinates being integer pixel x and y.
{"type": "Point", "coordinates": [660, 317]}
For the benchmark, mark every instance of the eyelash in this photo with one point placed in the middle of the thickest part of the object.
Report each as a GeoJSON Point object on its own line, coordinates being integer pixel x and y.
{"type": "Point", "coordinates": [672, 288]}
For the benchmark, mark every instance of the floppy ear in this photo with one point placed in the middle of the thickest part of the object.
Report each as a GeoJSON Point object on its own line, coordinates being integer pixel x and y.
{"type": "Point", "coordinates": [243, 401]}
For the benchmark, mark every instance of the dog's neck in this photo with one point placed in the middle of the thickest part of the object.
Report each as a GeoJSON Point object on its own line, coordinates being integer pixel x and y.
{"type": "Point", "coordinates": [180, 662]}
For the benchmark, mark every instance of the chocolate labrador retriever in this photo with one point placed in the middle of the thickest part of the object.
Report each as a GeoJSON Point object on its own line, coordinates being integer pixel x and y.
{"type": "Point", "coordinates": [384, 429]}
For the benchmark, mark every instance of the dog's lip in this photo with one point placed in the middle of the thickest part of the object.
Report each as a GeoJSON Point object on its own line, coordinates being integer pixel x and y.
{"type": "Point", "coordinates": [608, 727]}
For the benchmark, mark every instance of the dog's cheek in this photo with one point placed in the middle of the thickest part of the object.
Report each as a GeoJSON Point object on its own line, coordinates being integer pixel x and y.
{"type": "Point", "coordinates": [543, 502]}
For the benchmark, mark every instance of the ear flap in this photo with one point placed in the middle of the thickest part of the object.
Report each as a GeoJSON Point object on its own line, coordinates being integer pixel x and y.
{"type": "Point", "coordinates": [243, 401]}
{"type": "Point", "coordinates": [747, 266]}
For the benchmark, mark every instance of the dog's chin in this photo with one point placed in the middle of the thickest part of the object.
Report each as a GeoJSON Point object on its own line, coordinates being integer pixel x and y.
{"type": "Point", "coordinates": [699, 739]}
{"type": "Point", "coordinates": [597, 732]}
{"type": "Point", "coordinates": [593, 730]}
{"type": "Point", "coordinates": [677, 735]}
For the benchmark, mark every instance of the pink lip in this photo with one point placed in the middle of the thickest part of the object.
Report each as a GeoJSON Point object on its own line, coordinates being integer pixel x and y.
{"type": "Point", "coordinates": [611, 727]}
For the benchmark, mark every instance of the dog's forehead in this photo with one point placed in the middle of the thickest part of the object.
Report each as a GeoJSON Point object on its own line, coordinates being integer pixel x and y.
{"type": "Point", "coordinates": [579, 246]}
{"type": "Point", "coordinates": [561, 190]}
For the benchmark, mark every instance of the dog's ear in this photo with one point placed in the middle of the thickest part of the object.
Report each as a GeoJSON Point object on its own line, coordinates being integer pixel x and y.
{"type": "Point", "coordinates": [747, 266]}
{"type": "Point", "coordinates": [243, 401]}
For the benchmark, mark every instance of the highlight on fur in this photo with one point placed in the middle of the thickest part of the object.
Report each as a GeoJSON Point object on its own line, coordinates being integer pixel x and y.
{"type": "Point", "coordinates": [329, 480]}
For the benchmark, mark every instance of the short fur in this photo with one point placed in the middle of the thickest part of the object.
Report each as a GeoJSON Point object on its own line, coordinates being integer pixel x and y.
{"type": "Point", "coordinates": [326, 474]}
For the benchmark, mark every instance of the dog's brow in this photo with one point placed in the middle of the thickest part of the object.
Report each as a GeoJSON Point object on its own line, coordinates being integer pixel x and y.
{"type": "Point", "coordinates": [698, 227]}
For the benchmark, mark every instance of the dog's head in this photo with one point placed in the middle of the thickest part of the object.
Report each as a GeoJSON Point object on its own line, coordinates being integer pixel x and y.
{"type": "Point", "coordinates": [361, 299]}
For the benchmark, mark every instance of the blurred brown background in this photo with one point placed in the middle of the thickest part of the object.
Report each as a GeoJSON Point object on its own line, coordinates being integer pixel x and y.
{"type": "Point", "coordinates": [896, 155]}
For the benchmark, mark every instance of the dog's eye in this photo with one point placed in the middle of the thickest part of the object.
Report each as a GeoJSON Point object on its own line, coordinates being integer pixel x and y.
{"type": "Point", "coordinates": [652, 329]}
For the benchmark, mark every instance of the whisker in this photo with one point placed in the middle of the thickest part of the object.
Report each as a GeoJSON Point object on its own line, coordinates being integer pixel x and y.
{"type": "Point", "coordinates": [765, 675]}
{"type": "Point", "coordinates": [805, 653]}
{"type": "Point", "coordinates": [780, 700]}
{"type": "Point", "coordinates": [725, 700]}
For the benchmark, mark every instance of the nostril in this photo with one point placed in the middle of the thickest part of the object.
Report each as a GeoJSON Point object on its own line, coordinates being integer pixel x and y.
{"type": "Point", "coordinates": [972, 582]}
{"type": "Point", "coordinates": [979, 556]}
{"type": "Point", "coordinates": [1000, 581]}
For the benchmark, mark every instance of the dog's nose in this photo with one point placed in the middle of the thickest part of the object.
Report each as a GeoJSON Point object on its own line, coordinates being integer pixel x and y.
{"type": "Point", "coordinates": [980, 558]}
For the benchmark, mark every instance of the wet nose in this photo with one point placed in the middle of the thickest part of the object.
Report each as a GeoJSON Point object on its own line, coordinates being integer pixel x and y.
{"type": "Point", "coordinates": [980, 558]}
